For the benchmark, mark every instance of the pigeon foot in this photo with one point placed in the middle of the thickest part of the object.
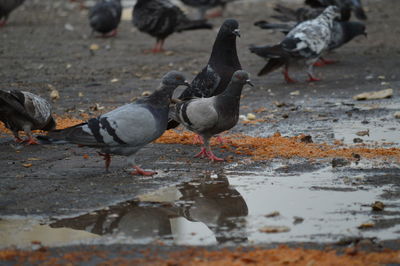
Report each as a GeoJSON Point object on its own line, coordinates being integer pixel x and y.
{"type": "Point", "coordinates": [31, 141]}
{"type": "Point", "coordinates": [288, 79]}
{"type": "Point", "coordinates": [110, 34]}
{"type": "Point", "coordinates": [18, 140]}
{"type": "Point", "coordinates": [312, 79]}
{"type": "Point", "coordinates": [140, 171]}
{"type": "Point", "coordinates": [214, 158]}
{"type": "Point", "coordinates": [202, 153]}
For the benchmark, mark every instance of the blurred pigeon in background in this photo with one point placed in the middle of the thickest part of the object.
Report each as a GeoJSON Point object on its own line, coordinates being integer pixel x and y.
{"type": "Point", "coordinates": [6, 7]}
{"type": "Point", "coordinates": [161, 18]}
{"type": "Point", "coordinates": [204, 5]}
{"type": "Point", "coordinates": [223, 62]}
{"type": "Point", "coordinates": [210, 116]}
{"type": "Point", "coordinates": [127, 129]}
{"type": "Point", "coordinates": [303, 45]}
{"type": "Point", "coordinates": [349, 5]}
{"type": "Point", "coordinates": [22, 110]}
{"type": "Point", "coordinates": [105, 16]}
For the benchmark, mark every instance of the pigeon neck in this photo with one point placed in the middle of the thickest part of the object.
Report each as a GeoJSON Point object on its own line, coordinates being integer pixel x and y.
{"type": "Point", "coordinates": [234, 90]}
{"type": "Point", "coordinates": [224, 50]}
{"type": "Point", "coordinates": [162, 96]}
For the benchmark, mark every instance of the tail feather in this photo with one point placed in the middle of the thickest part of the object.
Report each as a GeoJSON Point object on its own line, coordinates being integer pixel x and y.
{"type": "Point", "coordinates": [194, 25]}
{"type": "Point", "coordinates": [267, 51]}
{"type": "Point", "coordinates": [285, 28]}
{"type": "Point", "coordinates": [273, 64]}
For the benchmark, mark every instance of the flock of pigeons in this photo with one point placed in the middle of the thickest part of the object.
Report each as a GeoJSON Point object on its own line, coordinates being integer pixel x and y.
{"type": "Point", "coordinates": [210, 103]}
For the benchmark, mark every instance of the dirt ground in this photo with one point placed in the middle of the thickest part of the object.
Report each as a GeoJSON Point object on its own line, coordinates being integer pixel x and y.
{"type": "Point", "coordinates": [46, 46]}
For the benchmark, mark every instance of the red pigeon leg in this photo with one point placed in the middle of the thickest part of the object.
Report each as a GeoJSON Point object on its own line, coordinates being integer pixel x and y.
{"type": "Point", "coordinates": [287, 77]}
{"type": "Point", "coordinates": [329, 61]}
{"type": "Point", "coordinates": [140, 171]}
{"type": "Point", "coordinates": [198, 139]}
{"type": "Point", "coordinates": [311, 78]}
{"type": "Point", "coordinates": [202, 153]}
{"type": "Point", "coordinates": [111, 34]}
{"type": "Point", "coordinates": [31, 141]}
{"type": "Point", "coordinates": [107, 159]}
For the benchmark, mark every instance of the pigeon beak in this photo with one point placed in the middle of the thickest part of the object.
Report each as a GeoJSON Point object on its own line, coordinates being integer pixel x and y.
{"type": "Point", "coordinates": [236, 32]}
{"type": "Point", "coordinates": [249, 82]}
{"type": "Point", "coordinates": [186, 83]}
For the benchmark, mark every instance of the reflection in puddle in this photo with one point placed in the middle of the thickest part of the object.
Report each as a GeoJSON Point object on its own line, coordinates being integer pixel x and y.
{"type": "Point", "coordinates": [212, 210]}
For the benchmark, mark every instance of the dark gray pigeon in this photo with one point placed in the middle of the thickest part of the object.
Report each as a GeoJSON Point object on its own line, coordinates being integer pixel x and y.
{"type": "Point", "coordinates": [204, 5]}
{"type": "Point", "coordinates": [6, 7]}
{"type": "Point", "coordinates": [161, 18]}
{"type": "Point", "coordinates": [127, 129]}
{"type": "Point", "coordinates": [104, 17]}
{"type": "Point", "coordinates": [217, 74]}
{"type": "Point", "coordinates": [303, 45]}
{"type": "Point", "coordinates": [210, 116]}
{"type": "Point", "coordinates": [22, 110]}
{"type": "Point", "coordinates": [349, 5]}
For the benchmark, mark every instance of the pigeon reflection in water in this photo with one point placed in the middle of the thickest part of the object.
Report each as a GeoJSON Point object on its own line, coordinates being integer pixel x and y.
{"type": "Point", "coordinates": [211, 201]}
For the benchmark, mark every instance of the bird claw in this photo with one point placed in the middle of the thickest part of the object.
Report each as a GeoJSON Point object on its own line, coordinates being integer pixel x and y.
{"type": "Point", "coordinates": [139, 171]}
{"type": "Point", "coordinates": [209, 154]}
{"type": "Point", "coordinates": [31, 141]}
{"type": "Point", "coordinates": [312, 79]}
{"type": "Point", "coordinates": [202, 153]}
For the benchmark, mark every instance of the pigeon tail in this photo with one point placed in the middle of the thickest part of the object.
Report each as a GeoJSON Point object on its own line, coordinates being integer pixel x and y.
{"type": "Point", "coordinates": [194, 25]}
{"type": "Point", "coordinates": [273, 64]}
{"type": "Point", "coordinates": [59, 136]}
{"type": "Point", "coordinates": [267, 51]}
{"type": "Point", "coordinates": [285, 28]}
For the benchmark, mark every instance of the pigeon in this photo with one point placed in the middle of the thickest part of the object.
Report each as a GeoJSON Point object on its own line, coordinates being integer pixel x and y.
{"type": "Point", "coordinates": [304, 44]}
{"type": "Point", "coordinates": [350, 5]}
{"type": "Point", "coordinates": [127, 129]}
{"type": "Point", "coordinates": [105, 16]}
{"type": "Point", "coordinates": [6, 7]}
{"type": "Point", "coordinates": [210, 116]}
{"type": "Point", "coordinates": [161, 18]}
{"type": "Point", "coordinates": [204, 5]}
{"type": "Point", "coordinates": [342, 33]}
{"type": "Point", "coordinates": [223, 62]}
{"type": "Point", "coordinates": [22, 110]}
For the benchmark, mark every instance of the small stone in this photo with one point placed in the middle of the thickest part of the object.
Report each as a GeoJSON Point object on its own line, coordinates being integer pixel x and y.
{"type": "Point", "coordinates": [374, 95]}
{"type": "Point", "coordinates": [274, 229]}
{"type": "Point", "coordinates": [251, 116]}
{"type": "Point", "coordinates": [54, 95]}
{"type": "Point", "coordinates": [363, 133]}
{"type": "Point", "coordinates": [339, 162]}
{"type": "Point", "coordinates": [306, 139]}
{"type": "Point", "coordinates": [295, 93]}
{"type": "Point", "coordinates": [94, 47]}
{"type": "Point", "coordinates": [279, 104]}
{"type": "Point", "coordinates": [378, 206]}
{"type": "Point", "coordinates": [285, 116]}
{"type": "Point", "coordinates": [397, 115]}
{"type": "Point", "coordinates": [297, 220]}
{"type": "Point", "coordinates": [366, 225]}
{"type": "Point", "coordinates": [272, 214]}
{"type": "Point", "coordinates": [358, 140]}
{"type": "Point", "coordinates": [146, 93]}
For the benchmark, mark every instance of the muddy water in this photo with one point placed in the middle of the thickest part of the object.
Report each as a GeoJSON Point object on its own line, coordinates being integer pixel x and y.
{"type": "Point", "coordinates": [324, 205]}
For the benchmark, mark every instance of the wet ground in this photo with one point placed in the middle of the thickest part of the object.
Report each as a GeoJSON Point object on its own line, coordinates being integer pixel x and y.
{"type": "Point", "coordinates": [62, 195]}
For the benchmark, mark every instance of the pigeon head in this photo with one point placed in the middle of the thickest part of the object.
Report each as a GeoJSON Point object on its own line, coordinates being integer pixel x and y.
{"type": "Point", "coordinates": [332, 12]}
{"type": "Point", "coordinates": [230, 26]}
{"type": "Point", "coordinates": [174, 79]}
{"type": "Point", "coordinates": [242, 77]}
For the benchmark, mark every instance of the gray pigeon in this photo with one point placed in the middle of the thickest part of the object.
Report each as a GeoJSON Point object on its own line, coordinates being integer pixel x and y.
{"type": "Point", "coordinates": [6, 7]}
{"type": "Point", "coordinates": [127, 129]}
{"type": "Point", "coordinates": [204, 5]}
{"type": "Point", "coordinates": [223, 62]}
{"type": "Point", "coordinates": [349, 5]}
{"type": "Point", "coordinates": [161, 18]}
{"type": "Point", "coordinates": [303, 45]}
{"type": "Point", "coordinates": [105, 16]}
{"type": "Point", "coordinates": [22, 110]}
{"type": "Point", "coordinates": [342, 33]}
{"type": "Point", "coordinates": [210, 116]}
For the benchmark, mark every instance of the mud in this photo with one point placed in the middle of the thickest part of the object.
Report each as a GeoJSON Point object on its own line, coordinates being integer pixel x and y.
{"type": "Point", "coordinates": [39, 51]}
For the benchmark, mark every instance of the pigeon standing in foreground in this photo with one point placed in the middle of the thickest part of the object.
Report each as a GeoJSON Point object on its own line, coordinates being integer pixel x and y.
{"type": "Point", "coordinates": [22, 110]}
{"type": "Point", "coordinates": [346, 6]}
{"type": "Point", "coordinates": [6, 7]}
{"type": "Point", "coordinates": [223, 62]}
{"type": "Point", "coordinates": [127, 129]}
{"type": "Point", "coordinates": [304, 44]}
{"type": "Point", "coordinates": [204, 5]}
{"type": "Point", "coordinates": [105, 16]}
{"type": "Point", "coordinates": [161, 18]}
{"type": "Point", "coordinates": [210, 116]}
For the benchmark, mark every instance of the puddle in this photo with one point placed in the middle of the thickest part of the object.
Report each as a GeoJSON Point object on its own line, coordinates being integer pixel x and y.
{"type": "Point", "coordinates": [223, 208]}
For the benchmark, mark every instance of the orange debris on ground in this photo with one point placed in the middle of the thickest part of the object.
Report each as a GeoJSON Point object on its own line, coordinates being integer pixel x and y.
{"type": "Point", "coordinates": [278, 146]}
{"type": "Point", "coordinates": [197, 256]}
